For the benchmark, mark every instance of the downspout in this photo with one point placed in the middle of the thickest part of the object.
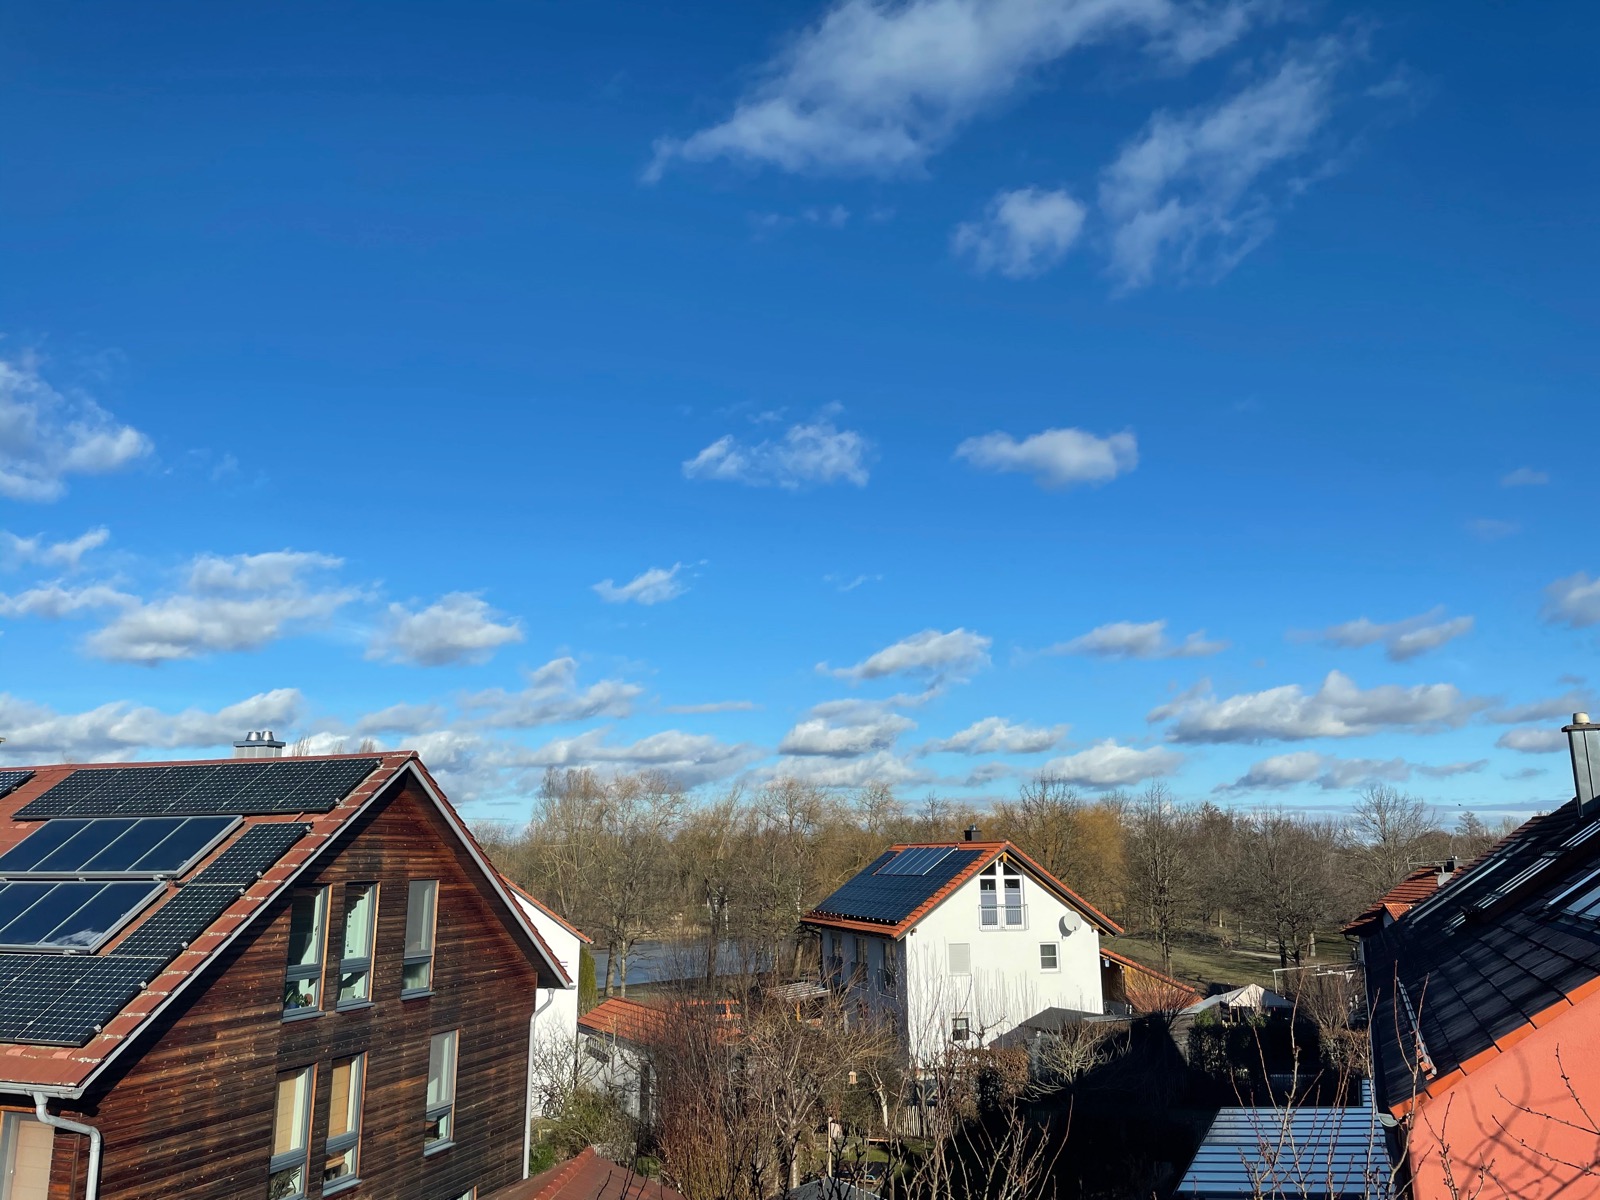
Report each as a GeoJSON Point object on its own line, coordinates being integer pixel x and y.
{"type": "Point", "coordinates": [527, 1111]}
{"type": "Point", "coordinates": [41, 1103]}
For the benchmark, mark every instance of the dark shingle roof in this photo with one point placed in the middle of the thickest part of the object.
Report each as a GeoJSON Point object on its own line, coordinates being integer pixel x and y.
{"type": "Point", "coordinates": [889, 899]}
{"type": "Point", "coordinates": [1483, 956]}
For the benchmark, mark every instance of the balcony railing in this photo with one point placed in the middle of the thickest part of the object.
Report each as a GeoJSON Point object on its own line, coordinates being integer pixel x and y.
{"type": "Point", "coordinates": [1010, 916]}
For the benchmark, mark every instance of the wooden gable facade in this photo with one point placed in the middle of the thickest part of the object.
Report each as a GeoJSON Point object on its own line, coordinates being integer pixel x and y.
{"type": "Point", "coordinates": [187, 1107]}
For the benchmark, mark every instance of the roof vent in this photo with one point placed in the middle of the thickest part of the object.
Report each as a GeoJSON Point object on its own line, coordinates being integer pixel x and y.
{"type": "Point", "coordinates": [1583, 737]}
{"type": "Point", "coordinates": [970, 833]}
{"type": "Point", "coordinates": [258, 743]}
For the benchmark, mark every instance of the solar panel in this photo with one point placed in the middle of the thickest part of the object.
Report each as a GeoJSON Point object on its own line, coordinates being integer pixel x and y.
{"type": "Point", "coordinates": [918, 860]}
{"type": "Point", "coordinates": [86, 999]}
{"type": "Point", "coordinates": [257, 849]}
{"type": "Point", "coordinates": [10, 781]}
{"type": "Point", "coordinates": [179, 921]}
{"type": "Point", "coordinates": [146, 846]}
{"type": "Point", "coordinates": [258, 786]}
{"type": "Point", "coordinates": [68, 916]}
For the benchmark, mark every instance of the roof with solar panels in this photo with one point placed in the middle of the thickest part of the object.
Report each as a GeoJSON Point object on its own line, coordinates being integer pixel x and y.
{"type": "Point", "coordinates": [906, 882]}
{"type": "Point", "coordinates": [119, 883]}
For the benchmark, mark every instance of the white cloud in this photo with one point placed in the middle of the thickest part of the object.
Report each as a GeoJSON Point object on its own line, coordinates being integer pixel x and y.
{"type": "Point", "coordinates": [405, 719]}
{"type": "Point", "coordinates": [880, 767]}
{"type": "Point", "coordinates": [654, 586]}
{"type": "Point", "coordinates": [1573, 601]}
{"type": "Point", "coordinates": [1108, 764]}
{"type": "Point", "coordinates": [1056, 458]}
{"type": "Point", "coordinates": [877, 86]}
{"type": "Point", "coordinates": [55, 602]}
{"type": "Point", "coordinates": [1022, 233]}
{"type": "Point", "coordinates": [122, 729]}
{"type": "Point", "coordinates": [715, 706]}
{"type": "Point", "coordinates": [1187, 194]}
{"type": "Point", "coordinates": [1525, 477]}
{"type": "Point", "coordinates": [845, 729]}
{"type": "Point", "coordinates": [457, 628]}
{"type": "Point", "coordinates": [1339, 708]}
{"type": "Point", "coordinates": [240, 602]}
{"type": "Point", "coordinates": [930, 652]}
{"type": "Point", "coordinates": [1332, 773]}
{"type": "Point", "coordinates": [1130, 639]}
{"type": "Point", "coordinates": [843, 584]}
{"type": "Point", "coordinates": [1532, 739]}
{"type": "Point", "coordinates": [814, 452]}
{"type": "Point", "coordinates": [552, 697]}
{"type": "Point", "coordinates": [67, 554]}
{"type": "Point", "coordinates": [689, 758]}
{"type": "Point", "coordinates": [996, 735]}
{"type": "Point", "coordinates": [1556, 708]}
{"type": "Point", "coordinates": [1492, 529]}
{"type": "Point", "coordinates": [1402, 640]}
{"type": "Point", "coordinates": [47, 436]}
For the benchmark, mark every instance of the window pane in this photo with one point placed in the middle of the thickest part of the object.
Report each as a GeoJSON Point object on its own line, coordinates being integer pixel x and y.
{"type": "Point", "coordinates": [353, 986]}
{"type": "Point", "coordinates": [305, 929]}
{"type": "Point", "coordinates": [419, 916]}
{"type": "Point", "coordinates": [1047, 956]}
{"type": "Point", "coordinates": [359, 902]}
{"type": "Point", "coordinates": [441, 1069]}
{"type": "Point", "coordinates": [291, 1116]}
{"type": "Point", "coordinates": [341, 1112]}
{"type": "Point", "coordinates": [418, 976]}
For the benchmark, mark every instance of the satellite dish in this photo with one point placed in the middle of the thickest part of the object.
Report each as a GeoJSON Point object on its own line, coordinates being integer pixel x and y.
{"type": "Point", "coordinates": [1069, 922]}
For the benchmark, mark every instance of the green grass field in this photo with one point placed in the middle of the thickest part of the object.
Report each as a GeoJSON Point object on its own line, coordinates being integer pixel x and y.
{"type": "Point", "coordinates": [1201, 959]}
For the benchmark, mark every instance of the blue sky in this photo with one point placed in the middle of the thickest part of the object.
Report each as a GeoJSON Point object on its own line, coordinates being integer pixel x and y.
{"type": "Point", "coordinates": [848, 390]}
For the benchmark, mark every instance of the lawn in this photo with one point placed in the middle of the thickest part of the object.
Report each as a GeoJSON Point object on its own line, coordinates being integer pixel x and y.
{"type": "Point", "coordinates": [1201, 958]}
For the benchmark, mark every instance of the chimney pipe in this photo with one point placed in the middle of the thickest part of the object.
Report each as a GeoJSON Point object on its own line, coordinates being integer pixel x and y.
{"type": "Point", "coordinates": [1583, 739]}
{"type": "Point", "coordinates": [970, 833]}
{"type": "Point", "coordinates": [258, 743]}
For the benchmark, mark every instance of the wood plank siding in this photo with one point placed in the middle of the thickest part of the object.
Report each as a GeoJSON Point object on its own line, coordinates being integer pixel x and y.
{"type": "Point", "coordinates": [190, 1112]}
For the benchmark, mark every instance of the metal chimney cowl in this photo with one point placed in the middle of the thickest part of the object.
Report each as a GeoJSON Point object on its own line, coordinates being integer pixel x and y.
{"type": "Point", "coordinates": [1583, 739]}
{"type": "Point", "coordinates": [258, 743]}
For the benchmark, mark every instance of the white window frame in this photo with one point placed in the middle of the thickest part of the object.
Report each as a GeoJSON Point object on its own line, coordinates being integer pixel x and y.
{"type": "Point", "coordinates": [420, 956]}
{"type": "Point", "coordinates": [960, 1027]}
{"type": "Point", "coordinates": [1055, 953]}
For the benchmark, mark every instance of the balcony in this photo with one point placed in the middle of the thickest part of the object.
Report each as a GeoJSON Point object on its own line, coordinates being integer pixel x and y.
{"type": "Point", "coordinates": [1012, 916]}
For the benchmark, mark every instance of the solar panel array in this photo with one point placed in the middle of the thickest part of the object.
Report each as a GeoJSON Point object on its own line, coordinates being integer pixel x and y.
{"type": "Point", "coordinates": [253, 854]}
{"type": "Point", "coordinates": [918, 860]}
{"type": "Point", "coordinates": [879, 895]}
{"type": "Point", "coordinates": [244, 788]}
{"type": "Point", "coordinates": [10, 781]}
{"type": "Point", "coordinates": [179, 921]}
{"type": "Point", "coordinates": [115, 846]}
{"type": "Point", "coordinates": [65, 1000]}
{"type": "Point", "coordinates": [68, 916]}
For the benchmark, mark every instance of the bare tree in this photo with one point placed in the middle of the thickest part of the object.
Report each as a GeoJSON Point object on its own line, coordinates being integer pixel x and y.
{"type": "Point", "coordinates": [1390, 827]}
{"type": "Point", "coordinates": [1162, 871]}
{"type": "Point", "coordinates": [1286, 875]}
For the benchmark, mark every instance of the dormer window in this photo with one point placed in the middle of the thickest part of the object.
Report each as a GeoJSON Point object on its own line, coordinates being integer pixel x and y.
{"type": "Point", "coordinates": [1000, 897]}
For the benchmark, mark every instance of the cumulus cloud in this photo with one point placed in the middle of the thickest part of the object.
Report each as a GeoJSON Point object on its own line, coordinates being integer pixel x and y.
{"type": "Point", "coordinates": [458, 628]}
{"type": "Point", "coordinates": [1337, 709]}
{"type": "Point", "coordinates": [877, 86]}
{"type": "Point", "coordinates": [47, 435]}
{"type": "Point", "coordinates": [654, 586]}
{"type": "Point", "coordinates": [1108, 764]}
{"type": "Point", "coordinates": [929, 653]}
{"type": "Point", "coordinates": [122, 729]}
{"type": "Point", "coordinates": [845, 729]}
{"type": "Point", "coordinates": [814, 452]}
{"type": "Point", "coordinates": [55, 602]}
{"type": "Point", "coordinates": [996, 735]}
{"type": "Point", "coordinates": [714, 706]}
{"type": "Point", "coordinates": [552, 697]}
{"type": "Point", "coordinates": [1332, 773]}
{"type": "Point", "coordinates": [1402, 640]}
{"type": "Point", "coordinates": [1191, 196]}
{"type": "Point", "coordinates": [239, 602]}
{"type": "Point", "coordinates": [1556, 709]}
{"type": "Point", "coordinates": [822, 771]}
{"type": "Point", "coordinates": [1524, 477]}
{"type": "Point", "coordinates": [1573, 601]}
{"type": "Point", "coordinates": [689, 758]}
{"type": "Point", "coordinates": [1056, 458]}
{"type": "Point", "coordinates": [1022, 233]}
{"type": "Point", "coordinates": [1130, 639]}
{"type": "Point", "coordinates": [1533, 739]}
{"type": "Point", "coordinates": [68, 554]}
{"type": "Point", "coordinates": [404, 719]}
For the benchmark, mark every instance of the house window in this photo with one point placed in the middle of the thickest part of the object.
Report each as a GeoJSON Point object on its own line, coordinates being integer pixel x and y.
{"type": "Point", "coordinates": [960, 1028]}
{"type": "Point", "coordinates": [26, 1144]}
{"type": "Point", "coordinates": [343, 1150]}
{"type": "Point", "coordinates": [858, 962]}
{"type": "Point", "coordinates": [1013, 896]}
{"type": "Point", "coordinates": [422, 903]}
{"type": "Point", "coordinates": [988, 900]}
{"type": "Point", "coordinates": [291, 1136]}
{"type": "Point", "coordinates": [1049, 956]}
{"type": "Point", "coordinates": [960, 958]}
{"type": "Point", "coordinates": [890, 974]}
{"type": "Point", "coordinates": [597, 1050]}
{"type": "Point", "coordinates": [441, 1091]}
{"type": "Point", "coordinates": [302, 984]}
{"type": "Point", "coordinates": [355, 962]}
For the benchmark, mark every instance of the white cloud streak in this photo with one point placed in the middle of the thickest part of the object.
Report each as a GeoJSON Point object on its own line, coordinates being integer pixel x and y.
{"type": "Point", "coordinates": [845, 729]}
{"type": "Point", "coordinates": [1056, 458]}
{"type": "Point", "coordinates": [1573, 601]}
{"type": "Point", "coordinates": [1532, 739]}
{"type": "Point", "coordinates": [878, 86]}
{"type": "Point", "coordinates": [457, 628]}
{"type": "Point", "coordinates": [122, 729]}
{"type": "Point", "coordinates": [552, 697]}
{"type": "Point", "coordinates": [1108, 764]}
{"type": "Point", "coordinates": [1525, 477]}
{"type": "Point", "coordinates": [996, 735]}
{"type": "Point", "coordinates": [1402, 640]}
{"type": "Point", "coordinates": [1022, 233]}
{"type": "Point", "coordinates": [1131, 639]}
{"type": "Point", "coordinates": [47, 436]}
{"type": "Point", "coordinates": [810, 453]}
{"type": "Point", "coordinates": [1331, 773]}
{"type": "Point", "coordinates": [1188, 196]}
{"type": "Point", "coordinates": [1337, 709]}
{"type": "Point", "coordinates": [654, 586]}
{"type": "Point", "coordinates": [68, 554]}
{"type": "Point", "coordinates": [929, 653]}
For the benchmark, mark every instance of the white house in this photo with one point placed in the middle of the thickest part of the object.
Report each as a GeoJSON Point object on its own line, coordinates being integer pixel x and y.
{"type": "Point", "coordinates": [964, 942]}
{"type": "Point", "coordinates": [555, 1023]}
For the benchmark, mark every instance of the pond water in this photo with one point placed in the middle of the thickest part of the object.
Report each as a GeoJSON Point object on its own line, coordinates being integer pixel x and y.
{"type": "Point", "coordinates": [664, 962]}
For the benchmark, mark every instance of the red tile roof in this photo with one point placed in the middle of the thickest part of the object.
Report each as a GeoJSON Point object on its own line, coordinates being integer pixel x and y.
{"type": "Point", "coordinates": [989, 851]}
{"type": "Point", "coordinates": [69, 1069]}
{"type": "Point", "coordinates": [1413, 889]}
{"type": "Point", "coordinates": [547, 910]}
{"type": "Point", "coordinates": [1155, 986]}
{"type": "Point", "coordinates": [587, 1177]}
{"type": "Point", "coordinates": [625, 1019]}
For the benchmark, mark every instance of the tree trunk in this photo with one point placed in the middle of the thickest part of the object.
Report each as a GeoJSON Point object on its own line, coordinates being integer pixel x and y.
{"type": "Point", "coordinates": [611, 962]}
{"type": "Point", "coordinates": [622, 968]}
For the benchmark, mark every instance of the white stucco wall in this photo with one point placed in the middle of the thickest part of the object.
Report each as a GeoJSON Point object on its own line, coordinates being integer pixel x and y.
{"type": "Point", "coordinates": [557, 1021]}
{"type": "Point", "coordinates": [1006, 984]}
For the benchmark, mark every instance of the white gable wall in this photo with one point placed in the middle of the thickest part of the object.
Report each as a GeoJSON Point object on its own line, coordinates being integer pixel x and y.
{"type": "Point", "coordinates": [556, 1022]}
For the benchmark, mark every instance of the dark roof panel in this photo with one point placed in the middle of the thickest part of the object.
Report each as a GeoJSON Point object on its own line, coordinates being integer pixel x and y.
{"type": "Point", "coordinates": [876, 894]}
